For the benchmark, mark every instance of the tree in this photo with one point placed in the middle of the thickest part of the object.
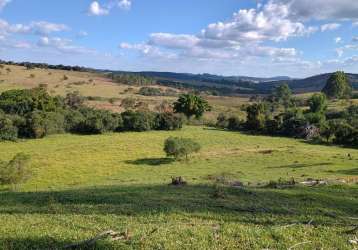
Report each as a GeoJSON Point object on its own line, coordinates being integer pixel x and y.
{"type": "Point", "coordinates": [180, 147]}
{"type": "Point", "coordinates": [338, 86]}
{"type": "Point", "coordinates": [168, 121]}
{"type": "Point", "coordinates": [318, 103]}
{"type": "Point", "coordinates": [256, 116]}
{"type": "Point", "coordinates": [8, 131]}
{"type": "Point", "coordinates": [191, 105]}
{"type": "Point", "coordinates": [283, 95]}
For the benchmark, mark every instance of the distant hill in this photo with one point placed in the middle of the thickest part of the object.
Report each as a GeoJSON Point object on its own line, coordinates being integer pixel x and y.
{"type": "Point", "coordinates": [225, 85]}
{"type": "Point", "coordinates": [244, 84]}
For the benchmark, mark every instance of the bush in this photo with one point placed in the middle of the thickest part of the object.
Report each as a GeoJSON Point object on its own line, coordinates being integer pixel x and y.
{"type": "Point", "coordinates": [149, 91]}
{"type": "Point", "coordinates": [234, 123]}
{"type": "Point", "coordinates": [138, 121]}
{"type": "Point", "coordinates": [180, 147]}
{"type": "Point", "coordinates": [168, 121]}
{"type": "Point", "coordinates": [16, 171]}
{"type": "Point", "coordinates": [8, 131]}
{"type": "Point", "coordinates": [95, 121]}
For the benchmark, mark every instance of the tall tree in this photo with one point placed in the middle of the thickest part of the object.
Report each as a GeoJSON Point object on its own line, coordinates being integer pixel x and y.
{"type": "Point", "coordinates": [318, 103]}
{"type": "Point", "coordinates": [338, 86]}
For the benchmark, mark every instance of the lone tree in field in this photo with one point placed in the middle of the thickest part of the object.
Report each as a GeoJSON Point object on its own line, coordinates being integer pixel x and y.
{"type": "Point", "coordinates": [180, 147]}
{"type": "Point", "coordinates": [338, 86]}
{"type": "Point", "coordinates": [191, 105]}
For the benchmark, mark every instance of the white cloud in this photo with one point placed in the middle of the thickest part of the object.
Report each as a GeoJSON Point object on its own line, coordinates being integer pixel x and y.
{"type": "Point", "coordinates": [62, 45]}
{"type": "Point", "coordinates": [173, 40]}
{"type": "Point", "coordinates": [338, 39]}
{"type": "Point", "coordinates": [339, 52]}
{"type": "Point", "coordinates": [95, 9]}
{"type": "Point", "coordinates": [269, 23]}
{"type": "Point", "coordinates": [355, 39]}
{"type": "Point", "coordinates": [125, 4]}
{"type": "Point", "coordinates": [82, 34]}
{"type": "Point", "coordinates": [37, 28]}
{"type": "Point", "coordinates": [330, 26]}
{"type": "Point", "coordinates": [3, 3]}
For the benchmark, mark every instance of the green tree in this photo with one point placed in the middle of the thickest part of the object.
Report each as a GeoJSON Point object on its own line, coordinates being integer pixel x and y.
{"type": "Point", "coordinates": [318, 103]}
{"type": "Point", "coordinates": [256, 116]}
{"type": "Point", "coordinates": [283, 95]}
{"type": "Point", "coordinates": [180, 147]}
{"type": "Point", "coordinates": [338, 86]}
{"type": "Point", "coordinates": [191, 105]}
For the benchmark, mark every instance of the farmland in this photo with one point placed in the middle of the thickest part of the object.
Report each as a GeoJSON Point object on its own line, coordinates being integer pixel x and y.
{"type": "Point", "coordinates": [83, 185]}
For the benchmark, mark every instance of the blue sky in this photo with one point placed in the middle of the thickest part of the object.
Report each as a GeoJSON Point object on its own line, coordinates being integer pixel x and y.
{"type": "Point", "coordinates": [297, 38]}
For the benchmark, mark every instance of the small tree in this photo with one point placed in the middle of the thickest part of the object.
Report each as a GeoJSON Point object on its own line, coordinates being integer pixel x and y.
{"type": "Point", "coordinates": [180, 147]}
{"type": "Point", "coordinates": [15, 171]}
{"type": "Point", "coordinates": [283, 94]}
{"type": "Point", "coordinates": [338, 86]}
{"type": "Point", "coordinates": [256, 116]}
{"type": "Point", "coordinates": [191, 105]}
{"type": "Point", "coordinates": [318, 103]}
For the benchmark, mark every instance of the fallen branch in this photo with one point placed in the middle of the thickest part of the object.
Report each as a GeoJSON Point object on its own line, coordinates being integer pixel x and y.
{"type": "Point", "coordinates": [113, 235]}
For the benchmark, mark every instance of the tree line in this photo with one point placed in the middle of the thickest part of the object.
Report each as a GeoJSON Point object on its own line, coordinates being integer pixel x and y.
{"type": "Point", "coordinates": [33, 113]}
{"type": "Point", "coordinates": [281, 114]}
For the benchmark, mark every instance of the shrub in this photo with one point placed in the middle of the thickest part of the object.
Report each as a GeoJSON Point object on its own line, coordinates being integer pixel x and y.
{"type": "Point", "coordinates": [138, 121]}
{"type": "Point", "coordinates": [8, 131]}
{"type": "Point", "coordinates": [234, 123]}
{"type": "Point", "coordinates": [318, 103]}
{"type": "Point", "coordinates": [180, 147]}
{"type": "Point", "coordinates": [256, 116]}
{"type": "Point", "coordinates": [168, 121]}
{"type": "Point", "coordinates": [149, 91]}
{"type": "Point", "coordinates": [16, 171]}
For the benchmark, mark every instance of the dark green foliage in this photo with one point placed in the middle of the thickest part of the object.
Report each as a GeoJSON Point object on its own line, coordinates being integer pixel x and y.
{"type": "Point", "coordinates": [256, 116]}
{"type": "Point", "coordinates": [16, 171]}
{"type": "Point", "coordinates": [95, 122]}
{"type": "Point", "coordinates": [168, 121]}
{"type": "Point", "coordinates": [317, 119]}
{"type": "Point", "coordinates": [191, 105]}
{"type": "Point", "coordinates": [293, 122]}
{"type": "Point", "coordinates": [180, 147]}
{"type": "Point", "coordinates": [344, 133]}
{"type": "Point", "coordinates": [282, 95]}
{"type": "Point", "coordinates": [318, 103]}
{"type": "Point", "coordinates": [338, 86]}
{"type": "Point", "coordinates": [234, 123]}
{"type": "Point", "coordinates": [39, 124]}
{"type": "Point", "coordinates": [22, 102]}
{"type": "Point", "coordinates": [138, 121]}
{"type": "Point", "coordinates": [8, 131]}
{"type": "Point", "coordinates": [133, 79]}
{"type": "Point", "coordinates": [222, 121]}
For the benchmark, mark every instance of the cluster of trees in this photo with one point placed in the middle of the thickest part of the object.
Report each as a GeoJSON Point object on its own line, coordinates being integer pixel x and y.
{"type": "Point", "coordinates": [30, 65]}
{"type": "Point", "coordinates": [150, 91]}
{"type": "Point", "coordinates": [33, 113]}
{"type": "Point", "coordinates": [180, 148]}
{"type": "Point", "coordinates": [132, 79]}
{"type": "Point", "coordinates": [279, 115]}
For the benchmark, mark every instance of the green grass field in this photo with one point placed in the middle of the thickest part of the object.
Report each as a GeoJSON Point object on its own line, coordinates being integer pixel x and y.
{"type": "Point", "coordinates": [83, 185]}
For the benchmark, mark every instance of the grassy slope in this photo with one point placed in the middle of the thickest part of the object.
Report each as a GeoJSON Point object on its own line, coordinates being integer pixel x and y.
{"type": "Point", "coordinates": [86, 184]}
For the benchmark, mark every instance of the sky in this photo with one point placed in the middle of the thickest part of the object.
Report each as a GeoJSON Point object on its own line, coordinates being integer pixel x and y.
{"type": "Point", "coordinates": [262, 38]}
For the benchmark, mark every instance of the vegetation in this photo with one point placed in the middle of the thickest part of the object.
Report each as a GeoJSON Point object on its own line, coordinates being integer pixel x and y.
{"type": "Point", "coordinates": [180, 147]}
{"type": "Point", "coordinates": [83, 185]}
{"type": "Point", "coordinates": [191, 105]}
{"type": "Point", "coordinates": [338, 86]}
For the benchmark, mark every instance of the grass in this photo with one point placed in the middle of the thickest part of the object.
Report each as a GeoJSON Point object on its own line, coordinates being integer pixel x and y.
{"type": "Point", "coordinates": [83, 185]}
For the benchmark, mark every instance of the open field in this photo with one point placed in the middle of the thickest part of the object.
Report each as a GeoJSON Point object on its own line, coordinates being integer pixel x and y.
{"type": "Point", "coordinates": [83, 185]}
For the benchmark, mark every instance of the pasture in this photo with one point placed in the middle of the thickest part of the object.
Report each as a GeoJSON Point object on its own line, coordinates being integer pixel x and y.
{"type": "Point", "coordinates": [83, 185]}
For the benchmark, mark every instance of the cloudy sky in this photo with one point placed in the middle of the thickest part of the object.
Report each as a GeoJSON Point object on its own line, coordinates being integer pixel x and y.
{"type": "Point", "coordinates": [297, 38]}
